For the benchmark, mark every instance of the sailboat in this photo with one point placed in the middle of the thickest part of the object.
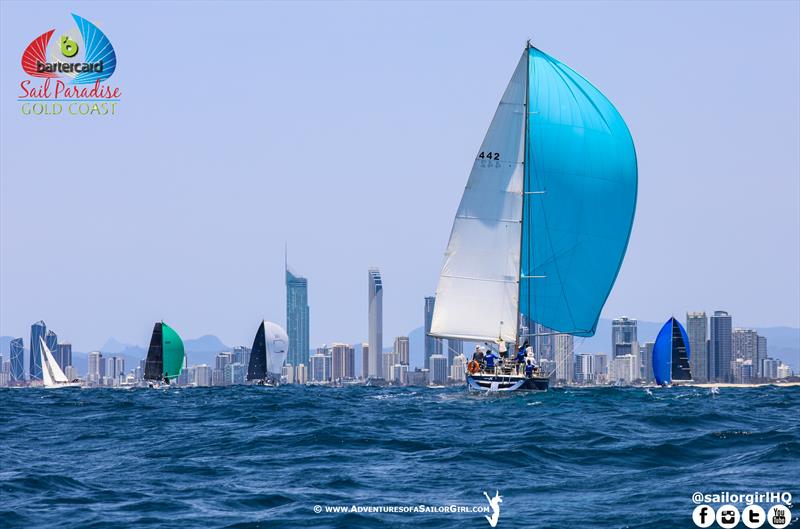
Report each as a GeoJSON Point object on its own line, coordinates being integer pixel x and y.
{"type": "Point", "coordinates": [268, 354]}
{"type": "Point", "coordinates": [52, 375]}
{"type": "Point", "coordinates": [544, 221]}
{"type": "Point", "coordinates": [165, 356]}
{"type": "Point", "coordinates": [671, 355]}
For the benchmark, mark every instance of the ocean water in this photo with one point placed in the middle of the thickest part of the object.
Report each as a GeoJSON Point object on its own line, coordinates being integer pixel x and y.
{"type": "Point", "coordinates": [265, 457]}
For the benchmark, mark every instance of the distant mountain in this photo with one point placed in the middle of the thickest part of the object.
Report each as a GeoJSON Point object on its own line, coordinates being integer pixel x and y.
{"type": "Point", "coordinates": [113, 346]}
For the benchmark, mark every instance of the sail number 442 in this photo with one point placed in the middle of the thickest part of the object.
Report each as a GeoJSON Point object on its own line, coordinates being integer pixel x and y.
{"type": "Point", "coordinates": [489, 155]}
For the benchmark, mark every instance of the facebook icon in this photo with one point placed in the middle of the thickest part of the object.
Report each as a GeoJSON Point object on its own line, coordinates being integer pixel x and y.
{"type": "Point", "coordinates": [703, 516]}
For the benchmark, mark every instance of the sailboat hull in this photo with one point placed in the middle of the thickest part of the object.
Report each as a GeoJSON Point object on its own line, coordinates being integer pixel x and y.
{"type": "Point", "coordinates": [486, 382]}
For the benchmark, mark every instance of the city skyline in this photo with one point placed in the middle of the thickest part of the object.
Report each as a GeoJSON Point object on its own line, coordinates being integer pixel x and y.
{"type": "Point", "coordinates": [732, 354]}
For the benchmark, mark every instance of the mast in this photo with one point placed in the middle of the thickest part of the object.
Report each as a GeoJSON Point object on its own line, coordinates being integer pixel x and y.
{"type": "Point", "coordinates": [524, 181]}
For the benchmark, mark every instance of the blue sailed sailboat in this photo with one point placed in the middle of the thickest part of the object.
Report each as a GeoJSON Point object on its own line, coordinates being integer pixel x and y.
{"type": "Point", "coordinates": [544, 220]}
{"type": "Point", "coordinates": [671, 354]}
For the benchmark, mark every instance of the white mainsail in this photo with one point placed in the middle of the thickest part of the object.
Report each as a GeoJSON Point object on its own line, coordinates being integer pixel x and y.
{"type": "Point", "coordinates": [52, 375]}
{"type": "Point", "coordinates": [478, 293]}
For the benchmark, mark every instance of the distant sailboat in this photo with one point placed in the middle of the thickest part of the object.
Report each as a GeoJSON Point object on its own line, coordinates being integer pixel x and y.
{"type": "Point", "coordinates": [165, 357]}
{"type": "Point", "coordinates": [544, 220]}
{"type": "Point", "coordinates": [268, 354]}
{"type": "Point", "coordinates": [52, 375]}
{"type": "Point", "coordinates": [671, 354]}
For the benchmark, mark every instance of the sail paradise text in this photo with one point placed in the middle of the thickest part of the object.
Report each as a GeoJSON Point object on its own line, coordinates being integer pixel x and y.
{"type": "Point", "coordinates": [46, 98]}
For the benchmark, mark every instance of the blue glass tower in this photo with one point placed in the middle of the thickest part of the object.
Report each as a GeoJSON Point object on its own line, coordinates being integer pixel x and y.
{"type": "Point", "coordinates": [38, 330]}
{"type": "Point", "coordinates": [17, 351]}
{"type": "Point", "coordinates": [297, 319]}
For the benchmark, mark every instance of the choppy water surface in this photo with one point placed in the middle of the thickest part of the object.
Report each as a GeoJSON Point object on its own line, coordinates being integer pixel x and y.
{"type": "Point", "coordinates": [264, 457]}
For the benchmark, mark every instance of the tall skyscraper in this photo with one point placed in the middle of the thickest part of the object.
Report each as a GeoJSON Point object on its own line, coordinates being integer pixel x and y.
{"type": "Point", "coordinates": [433, 346]}
{"type": "Point", "coordinates": [297, 319]}
{"type": "Point", "coordinates": [38, 330]}
{"type": "Point", "coordinates": [375, 298]}
{"type": "Point", "coordinates": [241, 355]}
{"type": "Point", "coordinates": [600, 368]}
{"type": "Point", "coordinates": [17, 353]}
{"type": "Point", "coordinates": [320, 368]}
{"type": "Point", "coordinates": [697, 332]}
{"type": "Point", "coordinates": [64, 355]}
{"type": "Point", "coordinates": [565, 357]}
{"type": "Point", "coordinates": [720, 347]}
{"type": "Point", "coordinates": [51, 339]}
{"type": "Point", "coordinates": [401, 349]}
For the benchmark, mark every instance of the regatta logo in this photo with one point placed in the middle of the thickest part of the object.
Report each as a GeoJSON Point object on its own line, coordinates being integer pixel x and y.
{"type": "Point", "coordinates": [70, 72]}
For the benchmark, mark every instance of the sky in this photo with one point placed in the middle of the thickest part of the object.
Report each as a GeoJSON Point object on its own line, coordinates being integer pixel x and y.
{"type": "Point", "coordinates": [347, 131]}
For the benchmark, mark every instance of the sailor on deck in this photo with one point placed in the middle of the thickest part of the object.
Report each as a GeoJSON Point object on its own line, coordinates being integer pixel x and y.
{"type": "Point", "coordinates": [490, 359]}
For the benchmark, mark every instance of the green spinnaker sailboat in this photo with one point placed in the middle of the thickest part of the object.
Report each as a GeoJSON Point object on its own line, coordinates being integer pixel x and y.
{"type": "Point", "coordinates": [165, 357]}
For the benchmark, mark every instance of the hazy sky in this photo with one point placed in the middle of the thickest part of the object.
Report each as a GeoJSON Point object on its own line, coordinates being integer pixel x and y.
{"type": "Point", "coordinates": [348, 131]}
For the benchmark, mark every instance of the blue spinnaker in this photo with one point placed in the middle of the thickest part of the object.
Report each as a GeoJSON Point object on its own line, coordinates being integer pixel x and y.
{"type": "Point", "coordinates": [671, 353]}
{"type": "Point", "coordinates": [580, 184]}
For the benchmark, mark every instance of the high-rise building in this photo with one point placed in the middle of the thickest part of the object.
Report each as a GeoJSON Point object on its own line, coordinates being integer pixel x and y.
{"type": "Point", "coordinates": [720, 347]}
{"type": "Point", "coordinates": [287, 374]}
{"type": "Point", "coordinates": [297, 318]}
{"type": "Point", "coordinates": [564, 345]}
{"type": "Point", "coordinates": [234, 373]}
{"type": "Point", "coordinates": [418, 377]}
{"type": "Point", "coordinates": [623, 369]}
{"type": "Point", "coordinates": [433, 346]}
{"type": "Point", "coordinates": [94, 369]}
{"type": "Point", "coordinates": [375, 298]}
{"type": "Point", "coordinates": [454, 348]}
{"type": "Point", "coordinates": [543, 342]}
{"type": "Point", "coordinates": [398, 374]}
{"type": "Point", "coordinates": [300, 375]}
{"type": "Point", "coordinates": [320, 368]}
{"type": "Point", "coordinates": [343, 361]}
{"type": "Point", "coordinates": [458, 371]}
{"type": "Point", "coordinates": [584, 368]}
{"type": "Point", "coordinates": [761, 354]}
{"type": "Point", "coordinates": [51, 340]}
{"type": "Point", "coordinates": [365, 361]}
{"type": "Point", "coordinates": [647, 362]}
{"type": "Point", "coordinates": [744, 345]}
{"type": "Point", "coordinates": [17, 353]}
{"type": "Point", "coordinates": [38, 331]}
{"type": "Point", "coordinates": [401, 349]}
{"type": "Point", "coordinates": [64, 357]}
{"type": "Point", "coordinates": [438, 369]}
{"type": "Point", "coordinates": [241, 355]}
{"type": "Point", "coordinates": [119, 366]}
{"type": "Point", "coordinates": [600, 368]}
{"type": "Point", "coordinates": [769, 368]}
{"type": "Point", "coordinates": [697, 332]}
{"type": "Point", "coordinates": [201, 376]}
{"type": "Point", "coordinates": [387, 361]}
{"type": "Point", "coordinates": [624, 340]}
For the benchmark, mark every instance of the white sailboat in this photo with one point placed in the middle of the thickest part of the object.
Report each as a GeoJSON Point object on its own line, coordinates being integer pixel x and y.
{"type": "Point", "coordinates": [52, 375]}
{"type": "Point", "coordinates": [543, 223]}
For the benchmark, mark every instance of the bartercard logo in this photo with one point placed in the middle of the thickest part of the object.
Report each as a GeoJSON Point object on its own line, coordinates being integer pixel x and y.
{"type": "Point", "coordinates": [70, 72]}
